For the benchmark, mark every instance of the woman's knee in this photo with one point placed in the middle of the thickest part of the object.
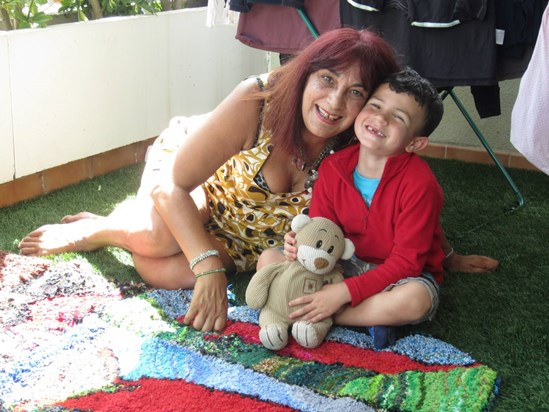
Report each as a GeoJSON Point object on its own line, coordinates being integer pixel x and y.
{"type": "Point", "coordinates": [144, 231]}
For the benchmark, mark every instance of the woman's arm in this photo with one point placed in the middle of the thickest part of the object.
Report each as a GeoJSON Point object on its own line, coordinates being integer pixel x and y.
{"type": "Point", "coordinates": [229, 128]}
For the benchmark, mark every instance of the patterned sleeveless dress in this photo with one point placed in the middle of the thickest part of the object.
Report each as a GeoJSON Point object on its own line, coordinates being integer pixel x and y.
{"type": "Point", "coordinates": [245, 217]}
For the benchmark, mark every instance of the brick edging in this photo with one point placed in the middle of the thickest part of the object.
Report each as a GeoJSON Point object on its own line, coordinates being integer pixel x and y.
{"type": "Point", "coordinates": [58, 177]}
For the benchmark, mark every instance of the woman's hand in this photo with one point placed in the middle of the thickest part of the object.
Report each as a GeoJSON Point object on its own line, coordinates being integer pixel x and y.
{"type": "Point", "coordinates": [208, 309]}
{"type": "Point", "coordinates": [290, 251]}
{"type": "Point", "coordinates": [321, 304]}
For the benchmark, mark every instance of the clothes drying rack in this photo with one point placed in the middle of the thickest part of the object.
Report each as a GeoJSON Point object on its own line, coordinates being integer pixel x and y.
{"type": "Point", "coordinates": [461, 107]}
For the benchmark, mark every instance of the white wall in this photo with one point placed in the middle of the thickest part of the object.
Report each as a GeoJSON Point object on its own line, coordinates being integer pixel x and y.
{"type": "Point", "coordinates": [454, 129]}
{"type": "Point", "coordinates": [78, 89]}
{"type": "Point", "coordinates": [7, 162]}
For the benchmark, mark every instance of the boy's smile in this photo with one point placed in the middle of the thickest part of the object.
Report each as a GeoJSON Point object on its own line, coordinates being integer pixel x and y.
{"type": "Point", "coordinates": [375, 131]}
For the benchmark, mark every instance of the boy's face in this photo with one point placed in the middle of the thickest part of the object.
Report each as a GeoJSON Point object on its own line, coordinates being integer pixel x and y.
{"type": "Point", "coordinates": [389, 124]}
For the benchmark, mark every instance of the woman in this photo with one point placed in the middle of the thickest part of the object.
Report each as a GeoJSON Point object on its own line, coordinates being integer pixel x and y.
{"type": "Point", "coordinates": [239, 178]}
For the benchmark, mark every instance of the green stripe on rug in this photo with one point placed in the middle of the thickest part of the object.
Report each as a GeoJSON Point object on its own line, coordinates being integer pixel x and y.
{"type": "Point", "coordinates": [457, 389]}
{"type": "Point", "coordinates": [460, 388]}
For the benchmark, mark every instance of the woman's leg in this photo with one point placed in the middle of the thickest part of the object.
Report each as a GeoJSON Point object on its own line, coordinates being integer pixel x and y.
{"type": "Point", "coordinates": [173, 272]}
{"type": "Point", "coordinates": [134, 225]}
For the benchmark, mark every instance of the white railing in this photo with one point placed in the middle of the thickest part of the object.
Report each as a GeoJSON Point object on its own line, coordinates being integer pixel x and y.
{"type": "Point", "coordinates": [78, 89]}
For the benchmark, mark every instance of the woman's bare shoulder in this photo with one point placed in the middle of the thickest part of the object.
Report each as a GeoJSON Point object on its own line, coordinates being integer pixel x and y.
{"type": "Point", "coordinates": [251, 85]}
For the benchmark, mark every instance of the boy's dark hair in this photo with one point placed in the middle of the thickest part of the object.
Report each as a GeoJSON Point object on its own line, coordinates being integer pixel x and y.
{"type": "Point", "coordinates": [410, 82]}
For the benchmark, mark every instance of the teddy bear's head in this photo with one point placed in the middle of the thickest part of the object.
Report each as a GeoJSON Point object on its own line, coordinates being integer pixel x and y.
{"type": "Point", "coordinates": [320, 243]}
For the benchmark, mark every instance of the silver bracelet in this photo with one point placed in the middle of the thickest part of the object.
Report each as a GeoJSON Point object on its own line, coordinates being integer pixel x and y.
{"type": "Point", "coordinates": [450, 253]}
{"type": "Point", "coordinates": [202, 256]}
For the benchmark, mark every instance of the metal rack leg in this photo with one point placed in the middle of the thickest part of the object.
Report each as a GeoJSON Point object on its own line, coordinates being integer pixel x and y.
{"type": "Point", "coordinates": [308, 22]}
{"type": "Point", "coordinates": [484, 142]}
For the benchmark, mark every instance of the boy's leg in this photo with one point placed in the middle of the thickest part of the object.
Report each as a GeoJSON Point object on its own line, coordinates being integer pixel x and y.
{"type": "Point", "coordinates": [413, 300]}
{"type": "Point", "coordinates": [268, 256]}
{"type": "Point", "coordinates": [408, 303]}
{"type": "Point", "coordinates": [454, 262]}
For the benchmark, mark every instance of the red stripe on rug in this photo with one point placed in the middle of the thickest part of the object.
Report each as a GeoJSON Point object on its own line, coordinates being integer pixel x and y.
{"type": "Point", "coordinates": [334, 352]}
{"type": "Point", "coordinates": [152, 395]}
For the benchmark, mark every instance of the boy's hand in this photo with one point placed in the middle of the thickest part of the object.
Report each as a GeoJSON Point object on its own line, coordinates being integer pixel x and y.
{"type": "Point", "coordinates": [290, 251]}
{"type": "Point", "coordinates": [322, 304]}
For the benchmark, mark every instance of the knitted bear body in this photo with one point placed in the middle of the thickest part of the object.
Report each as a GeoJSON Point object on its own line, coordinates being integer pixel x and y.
{"type": "Point", "coordinates": [320, 244]}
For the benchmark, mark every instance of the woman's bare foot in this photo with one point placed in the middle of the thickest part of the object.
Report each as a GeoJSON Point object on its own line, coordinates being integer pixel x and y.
{"type": "Point", "coordinates": [79, 216]}
{"type": "Point", "coordinates": [60, 238]}
{"type": "Point", "coordinates": [470, 263]}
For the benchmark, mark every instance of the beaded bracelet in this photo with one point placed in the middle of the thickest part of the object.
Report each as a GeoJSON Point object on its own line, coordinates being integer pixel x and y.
{"type": "Point", "coordinates": [202, 256]}
{"type": "Point", "coordinates": [209, 272]}
{"type": "Point", "coordinates": [450, 253]}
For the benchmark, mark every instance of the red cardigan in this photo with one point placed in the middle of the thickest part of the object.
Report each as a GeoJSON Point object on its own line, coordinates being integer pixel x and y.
{"type": "Point", "coordinates": [400, 231]}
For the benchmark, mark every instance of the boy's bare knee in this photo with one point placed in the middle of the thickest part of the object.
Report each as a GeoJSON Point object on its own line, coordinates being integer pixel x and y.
{"type": "Point", "coordinates": [419, 307]}
{"type": "Point", "coordinates": [268, 256]}
{"type": "Point", "coordinates": [412, 302]}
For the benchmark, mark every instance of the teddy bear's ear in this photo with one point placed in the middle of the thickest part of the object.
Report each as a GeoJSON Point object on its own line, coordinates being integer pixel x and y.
{"type": "Point", "coordinates": [349, 249]}
{"type": "Point", "coordinates": [299, 222]}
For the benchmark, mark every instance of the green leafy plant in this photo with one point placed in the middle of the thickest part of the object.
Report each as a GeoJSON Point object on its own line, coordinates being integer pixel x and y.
{"type": "Point", "coordinates": [23, 14]}
{"type": "Point", "coordinates": [97, 9]}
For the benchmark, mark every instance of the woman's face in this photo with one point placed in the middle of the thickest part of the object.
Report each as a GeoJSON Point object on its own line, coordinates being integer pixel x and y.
{"type": "Point", "coordinates": [332, 100]}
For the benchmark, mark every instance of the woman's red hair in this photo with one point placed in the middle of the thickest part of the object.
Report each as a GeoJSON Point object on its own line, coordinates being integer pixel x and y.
{"type": "Point", "coordinates": [336, 50]}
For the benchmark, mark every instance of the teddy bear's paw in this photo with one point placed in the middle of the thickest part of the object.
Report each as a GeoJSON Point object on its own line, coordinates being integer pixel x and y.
{"type": "Point", "coordinates": [305, 334]}
{"type": "Point", "coordinates": [273, 337]}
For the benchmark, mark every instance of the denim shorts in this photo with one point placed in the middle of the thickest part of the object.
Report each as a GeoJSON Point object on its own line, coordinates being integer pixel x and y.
{"type": "Point", "coordinates": [355, 266]}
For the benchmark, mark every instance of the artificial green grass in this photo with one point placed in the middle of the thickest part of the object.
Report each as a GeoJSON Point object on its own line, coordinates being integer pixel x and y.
{"type": "Point", "coordinates": [499, 318]}
{"type": "Point", "coordinates": [99, 195]}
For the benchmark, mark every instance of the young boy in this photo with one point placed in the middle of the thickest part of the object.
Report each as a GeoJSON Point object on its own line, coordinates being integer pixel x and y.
{"type": "Point", "coordinates": [388, 202]}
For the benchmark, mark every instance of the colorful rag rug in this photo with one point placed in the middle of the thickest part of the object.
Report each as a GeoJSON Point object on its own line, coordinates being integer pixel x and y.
{"type": "Point", "coordinates": [70, 340]}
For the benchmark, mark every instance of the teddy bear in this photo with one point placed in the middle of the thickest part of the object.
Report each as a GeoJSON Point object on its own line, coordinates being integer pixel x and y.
{"type": "Point", "coordinates": [320, 244]}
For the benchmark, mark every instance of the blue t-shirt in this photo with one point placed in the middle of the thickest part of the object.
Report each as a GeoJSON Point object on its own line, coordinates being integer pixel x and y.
{"type": "Point", "coordinates": [366, 186]}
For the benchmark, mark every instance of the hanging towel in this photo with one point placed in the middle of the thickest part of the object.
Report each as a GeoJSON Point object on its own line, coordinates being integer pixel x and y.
{"type": "Point", "coordinates": [530, 116]}
{"type": "Point", "coordinates": [280, 29]}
